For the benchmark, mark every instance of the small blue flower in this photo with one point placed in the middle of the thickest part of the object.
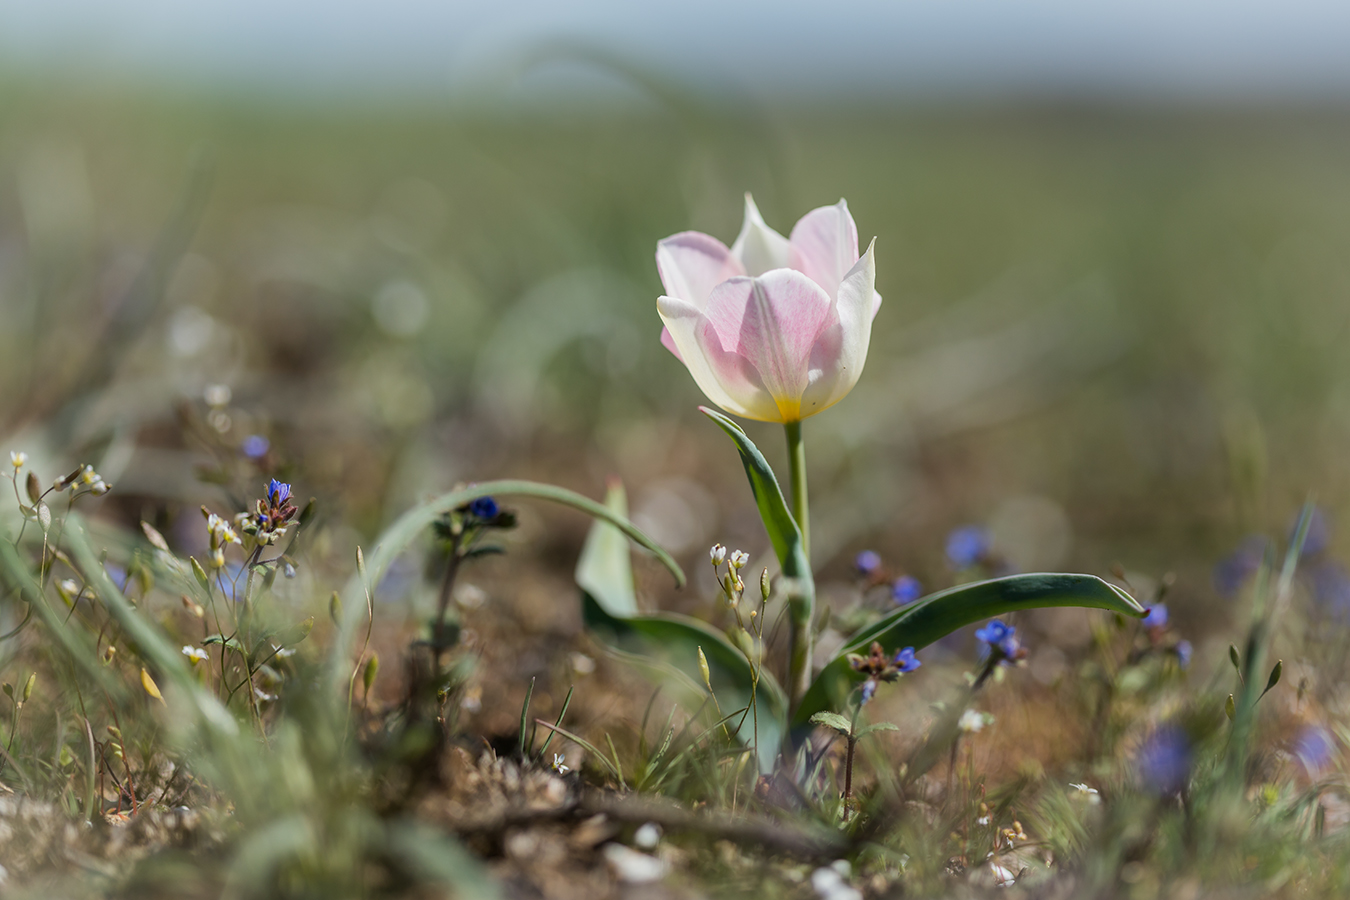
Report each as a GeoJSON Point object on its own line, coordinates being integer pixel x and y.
{"type": "Point", "coordinates": [1233, 570]}
{"type": "Point", "coordinates": [1319, 532]}
{"type": "Point", "coordinates": [867, 563]}
{"type": "Point", "coordinates": [905, 590]}
{"type": "Point", "coordinates": [1001, 637]}
{"type": "Point", "coordinates": [1184, 652]}
{"type": "Point", "coordinates": [1314, 747]}
{"type": "Point", "coordinates": [905, 661]}
{"type": "Point", "coordinates": [484, 508]}
{"type": "Point", "coordinates": [967, 545]}
{"type": "Point", "coordinates": [255, 446]}
{"type": "Point", "coordinates": [1157, 616]}
{"type": "Point", "coordinates": [1164, 761]}
{"type": "Point", "coordinates": [278, 492]}
{"type": "Point", "coordinates": [868, 689]}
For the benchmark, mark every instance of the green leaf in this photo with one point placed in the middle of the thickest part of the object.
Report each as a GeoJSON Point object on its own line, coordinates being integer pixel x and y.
{"type": "Point", "coordinates": [773, 509]}
{"type": "Point", "coordinates": [933, 617]}
{"type": "Point", "coordinates": [877, 726]}
{"type": "Point", "coordinates": [667, 645]}
{"type": "Point", "coordinates": [410, 524]}
{"type": "Point", "coordinates": [833, 720]}
{"type": "Point", "coordinates": [232, 643]}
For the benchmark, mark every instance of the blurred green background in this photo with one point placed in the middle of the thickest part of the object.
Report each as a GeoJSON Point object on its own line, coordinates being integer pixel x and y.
{"type": "Point", "coordinates": [1112, 333]}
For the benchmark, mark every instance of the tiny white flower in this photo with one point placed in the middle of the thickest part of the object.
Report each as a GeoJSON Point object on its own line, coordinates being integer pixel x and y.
{"type": "Point", "coordinates": [18, 460]}
{"type": "Point", "coordinates": [560, 765]}
{"type": "Point", "coordinates": [972, 720]}
{"type": "Point", "coordinates": [286, 653]}
{"type": "Point", "coordinates": [648, 836]}
{"type": "Point", "coordinates": [1089, 793]}
{"type": "Point", "coordinates": [718, 554]}
{"type": "Point", "coordinates": [739, 558]}
{"type": "Point", "coordinates": [195, 654]}
{"type": "Point", "coordinates": [1003, 876]}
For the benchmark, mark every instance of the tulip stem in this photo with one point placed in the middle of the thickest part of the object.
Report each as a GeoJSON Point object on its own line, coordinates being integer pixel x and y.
{"type": "Point", "coordinates": [797, 470]}
{"type": "Point", "coordinates": [801, 604]}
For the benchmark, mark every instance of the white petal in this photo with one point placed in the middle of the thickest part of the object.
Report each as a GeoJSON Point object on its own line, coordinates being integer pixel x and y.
{"type": "Point", "coordinates": [838, 359]}
{"type": "Point", "coordinates": [825, 245]}
{"type": "Point", "coordinates": [691, 264]}
{"type": "Point", "coordinates": [758, 247]}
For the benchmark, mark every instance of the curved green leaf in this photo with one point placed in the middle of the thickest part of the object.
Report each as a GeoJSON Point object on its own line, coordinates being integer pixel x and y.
{"type": "Point", "coordinates": [667, 645]}
{"type": "Point", "coordinates": [407, 526]}
{"type": "Point", "coordinates": [787, 542]}
{"type": "Point", "coordinates": [937, 615]}
{"type": "Point", "coordinates": [773, 509]}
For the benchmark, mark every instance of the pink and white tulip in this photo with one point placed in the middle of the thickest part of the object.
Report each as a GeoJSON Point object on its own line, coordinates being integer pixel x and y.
{"type": "Point", "coordinates": [774, 328]}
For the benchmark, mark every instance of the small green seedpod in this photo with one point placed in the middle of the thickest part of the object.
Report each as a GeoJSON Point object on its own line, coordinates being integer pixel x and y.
{"type": "Point", "coordinates": [28, 686]}
{"type": "Point", "coordinates": [34, 487]}
{"type": "Point", "coordinates": [372, 669]}
{"type": "Point", "coordinates": [335, 608]}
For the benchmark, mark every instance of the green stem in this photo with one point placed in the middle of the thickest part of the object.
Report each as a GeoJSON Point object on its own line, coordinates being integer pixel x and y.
{"type": "Point", "coordinates": [801, 605]}
{"type": "Point", "coordinates": [797, 471]}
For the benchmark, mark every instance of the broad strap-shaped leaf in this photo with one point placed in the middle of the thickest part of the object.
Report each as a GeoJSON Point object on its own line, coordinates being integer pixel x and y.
{"type": "Point", "coordinates": [773, 509]}
{"type": "Point", "coordinates": [667, 645]}
{"type": "Point", "coordinates": [937, 615]}
{"type": "Point", "coordinates": [408, 526]}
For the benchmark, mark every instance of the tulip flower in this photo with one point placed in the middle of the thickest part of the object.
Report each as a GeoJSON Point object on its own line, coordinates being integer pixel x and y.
{"type": "Point", "coordinates": [774, 328]}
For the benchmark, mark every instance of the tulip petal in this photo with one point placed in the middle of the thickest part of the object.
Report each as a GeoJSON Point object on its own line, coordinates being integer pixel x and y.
{"type": "Point", "coordinates": [668, 342]}
{"type": "Point", "coordinates": [726, 378]}
{"type": "Point", "coordinates": [691, 264]}
{"type": "Point", "coordinates": [825, 245]}
{"type": "Point", "coordinates": [773, 322]}
{"type": "Point", "coordinates": [839, 354]}
{"type": "Point", "coordinates": [758, 247]}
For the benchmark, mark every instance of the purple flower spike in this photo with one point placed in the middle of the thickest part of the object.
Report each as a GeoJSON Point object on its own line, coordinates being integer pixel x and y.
{"type": "Point", "coordinates": [1157, 616]}
{"type": "Point", "coordinates": [906, 590]}
{"type": "Point", "coordinates": [905, 661]}
{"type": "Point", "coordinates": [867, 563]}
{"type": "Point", "coordinates": [868, 689]}
{"type": "Point", "coordinates": [1164, 761]}
{"type": "Point", "coordinates": [967, 545]}
{"type": "Point", "coordinates": [1233, 570]}
{"type": "Point", "coordinates": [1315, 748]}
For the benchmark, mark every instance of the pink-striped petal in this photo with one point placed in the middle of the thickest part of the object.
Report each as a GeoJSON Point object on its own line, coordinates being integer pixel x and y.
{"type": "Point", "coordinates": [691, 264]}
{"type": "Point", "coordinates": [758, 247]}
{"type": "Point", "coordinates": [773, 322]}
{"type": "Point", "coordinates": [825, 245]}
{"type": "Point", "coordinates": [726, 378]}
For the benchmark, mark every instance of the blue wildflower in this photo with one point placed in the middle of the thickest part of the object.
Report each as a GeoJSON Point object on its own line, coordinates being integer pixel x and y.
{"type": "Point", "coordinates": [967, 545]}
{"type": "Point", "coordinates": [867, 563]}
{"type": "Point", "coordinates": [1233, 570]}
{"type": "Point", "coordinates": [868, 689]}
{"type": "Point", "coordinates": [1319, 533]}
{"type": "Point", "coordinates": [904, 661]}
{"type": "Point", "coordinates": [278, 492]}
{"type": "Point", "coordinates": [1164, 760]}
{"type": "Point", "coordinates": [255, 446]}
{"type": "Point", "coordinates": [1157, 616]}
{"type": "Point", "coordinates": [1001, 638]}
{"type": "Point", "coordinates": [905, 590]}
{"type": "Point", "coordinates": [484, 508]}
{"type": "Point", "coordinates": [1314, 747]}
{"type": "Point", "coordinates": [1184, 652]}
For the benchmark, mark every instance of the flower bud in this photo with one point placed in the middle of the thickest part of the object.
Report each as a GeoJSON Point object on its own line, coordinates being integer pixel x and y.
{"type": "Point", "coordinates": [739, 558]}
{"type": "Point", "coordinates": [718, 554]}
